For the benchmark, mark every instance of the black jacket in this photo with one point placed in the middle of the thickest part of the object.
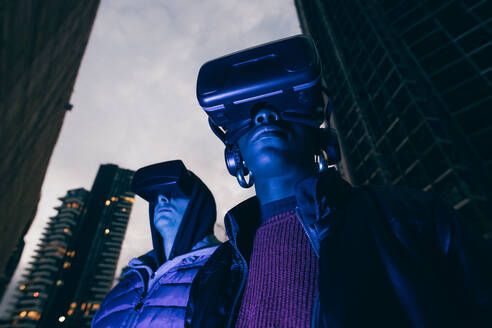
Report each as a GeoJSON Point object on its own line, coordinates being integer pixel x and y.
{"type": "Point", "coordinates": [388, 256]}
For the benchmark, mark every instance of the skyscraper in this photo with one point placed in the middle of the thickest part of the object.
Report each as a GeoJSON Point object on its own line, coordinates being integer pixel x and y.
{"type": "Point", "coordinates": [41, 48]}
{"type": "Point", "coordinates": [50, 266]}
{"type": "Point", "coordinates": [76, 261]}
{"type": "Point", "coordinates": [412, 92]}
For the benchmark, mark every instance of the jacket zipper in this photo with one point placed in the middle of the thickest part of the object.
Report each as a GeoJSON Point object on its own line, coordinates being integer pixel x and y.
{"type": "Point", "coordinates": [135, 314]}
{"type": "Point", "coordinates": [244, 268]}
{"type": "Point", "coordinates": [308, 232]}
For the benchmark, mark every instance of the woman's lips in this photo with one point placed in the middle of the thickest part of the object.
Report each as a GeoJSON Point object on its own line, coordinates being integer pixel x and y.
{"type": "Point", "coordinates": [163, 210]}
{"type": "Point", "coordinates": [266, 130]}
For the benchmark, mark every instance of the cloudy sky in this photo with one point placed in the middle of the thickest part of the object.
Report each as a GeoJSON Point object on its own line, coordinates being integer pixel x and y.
{"type": "Point", "coordinates": [134, 99]}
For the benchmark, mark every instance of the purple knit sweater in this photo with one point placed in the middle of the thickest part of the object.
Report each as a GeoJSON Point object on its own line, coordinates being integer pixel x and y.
{"type": "Point", "coordinates": [283, 272]}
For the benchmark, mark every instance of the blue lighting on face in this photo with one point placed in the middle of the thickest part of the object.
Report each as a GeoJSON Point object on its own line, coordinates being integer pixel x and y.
{"type": "Point", "coordinates": [169, 212]}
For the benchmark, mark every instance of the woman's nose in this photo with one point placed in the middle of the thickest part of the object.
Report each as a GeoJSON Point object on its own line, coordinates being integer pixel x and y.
{"type": "Point", "coordinates": [162, 199]}
{"type": "Point", "coordinates": [266, 116]}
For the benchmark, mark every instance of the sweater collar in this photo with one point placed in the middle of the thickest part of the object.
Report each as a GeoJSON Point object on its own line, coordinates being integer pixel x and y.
{"type": "Point", "coordinates": [277, 207]}
{"type": "Point", "coordinates": [316, 197]}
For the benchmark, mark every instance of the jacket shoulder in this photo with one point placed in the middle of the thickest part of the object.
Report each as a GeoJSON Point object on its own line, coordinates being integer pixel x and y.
{"type": "Point", "coordinates": [406, 203]}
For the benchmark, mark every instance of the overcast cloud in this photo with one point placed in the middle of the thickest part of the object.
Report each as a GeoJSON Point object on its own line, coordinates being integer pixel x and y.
{"type": "Point", "coordinates": [134, 99]}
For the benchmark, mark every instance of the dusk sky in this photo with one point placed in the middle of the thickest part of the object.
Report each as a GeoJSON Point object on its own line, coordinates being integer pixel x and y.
{"type": "Point", "coordinates": [134, 101]}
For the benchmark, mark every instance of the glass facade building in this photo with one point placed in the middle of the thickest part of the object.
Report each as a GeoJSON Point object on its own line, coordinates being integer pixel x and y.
{"type": "Point", "coordinates": [75, 264]}
{"type": "Point", "coordinates": [412, 93]}
{"type": "Point", "coordinates": [50, 266]}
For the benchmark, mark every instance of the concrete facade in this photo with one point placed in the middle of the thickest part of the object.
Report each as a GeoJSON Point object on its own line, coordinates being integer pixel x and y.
{"type": "Point", "coordinates": [41, 48]}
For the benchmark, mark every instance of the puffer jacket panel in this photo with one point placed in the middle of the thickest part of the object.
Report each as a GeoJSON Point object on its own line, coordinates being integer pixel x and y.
{"type": "Point", "coordinates": [158, 317]}
{"type": "Point", "coordinates": [144, 299]}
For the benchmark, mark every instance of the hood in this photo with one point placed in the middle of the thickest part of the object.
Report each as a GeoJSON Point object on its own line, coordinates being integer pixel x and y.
{"type": "Point", "coordinates": [198, 222]}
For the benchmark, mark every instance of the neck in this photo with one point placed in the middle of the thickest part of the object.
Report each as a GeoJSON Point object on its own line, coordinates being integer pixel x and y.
{"type": "Point", "coordinates": [168, 241]}
{"type": "Point", "coordinates": [269, 189]}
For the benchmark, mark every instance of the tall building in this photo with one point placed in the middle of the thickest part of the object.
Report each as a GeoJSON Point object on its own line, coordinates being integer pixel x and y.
{"type": "Point", "coordinates": [107, 218]}
{"type": "Point", "coordinates": [76, 261]}
{"type": "Point", "coordinates": [10, 267]}
{"type": "Point", "coordinates": [50, 266]}
{"type": "Point", "coordinates": [41, 48]}
{"type": "Point", "coordinates": [411, 86]}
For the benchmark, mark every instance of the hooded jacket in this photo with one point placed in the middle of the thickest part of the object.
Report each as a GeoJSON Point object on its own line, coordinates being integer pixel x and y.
{"type": "Point", "coordinates": [155, 290]}
{"type": "Point", "coordinates": [388, 256]}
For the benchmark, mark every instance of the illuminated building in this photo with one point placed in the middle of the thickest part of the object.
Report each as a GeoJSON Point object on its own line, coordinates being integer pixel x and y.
{"type": "Point", "coordinates": [55, 248]}
{"type": "Point", "coordinates": [41, 48]}
{"type": "Point", "coordinates": [83, 255]}
{"type": "Point", "coordinates": [412, 92]}
{"type": "Point", "coordinates": [107, 218]}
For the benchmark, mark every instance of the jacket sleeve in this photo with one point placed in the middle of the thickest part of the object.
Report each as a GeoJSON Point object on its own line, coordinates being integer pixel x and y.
{"type": "Point", "coordinates": [468, 262]}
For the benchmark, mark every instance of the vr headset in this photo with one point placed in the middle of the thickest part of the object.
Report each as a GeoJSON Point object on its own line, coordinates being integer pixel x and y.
{"type": "Point", "coordinates": [284, 74]}
{"type": "Point", "coordinates": [167, 178]}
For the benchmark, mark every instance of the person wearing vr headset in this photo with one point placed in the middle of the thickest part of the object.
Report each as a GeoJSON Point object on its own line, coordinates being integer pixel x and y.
{"type": "Point", "coordinates": [154, 291]}
{"type": "Point", "coordinates": [310, 250]}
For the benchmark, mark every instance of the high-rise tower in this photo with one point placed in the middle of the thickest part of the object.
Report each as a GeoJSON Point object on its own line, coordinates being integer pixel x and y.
{"type": "Point", "coordinates": [412, 92]}
{"type": "Point", "coordinates": [41, 48]}
{"type": "Point", "coordinates": [50, 266]}
{"type": "Point", "coordinates": [75, 265]}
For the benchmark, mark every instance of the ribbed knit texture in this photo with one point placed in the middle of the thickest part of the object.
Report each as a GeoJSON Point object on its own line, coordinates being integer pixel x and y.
{"type": "Point", "coordinates": [282, 278]}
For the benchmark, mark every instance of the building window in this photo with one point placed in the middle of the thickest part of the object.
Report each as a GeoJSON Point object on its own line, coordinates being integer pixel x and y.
{"type": "Point", "coordinates": [114, 199]}
{"type": "Point", "coordinates": [106, 232]}
{"type": "Point", "coordinates": [66, 230]}
{"type": "Point", "coordinates": [33, 315]}
{"type": "Point", "coordinates": [35, 294]}
{"type": "Point", "coordinates": [59, 282]}
{"type": "Point", "coordinates": [108, 202]}
{"type": "Point", "coordinates": [128, 199]}
{"type": "Point", "coordinates": [22, 314]}
{"type": "Point", "coordinates": [22, 287]}
{"type": "Point", "coordinates": [61, 318]}
{"type": "Point", "coordinates": [66, 265]}
{"type": "Point", "coordinates": [123, 209]}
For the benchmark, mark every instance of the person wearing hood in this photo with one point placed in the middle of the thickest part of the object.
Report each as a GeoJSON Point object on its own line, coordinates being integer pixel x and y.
{"type": "Point", "coordinates": [155, 290]}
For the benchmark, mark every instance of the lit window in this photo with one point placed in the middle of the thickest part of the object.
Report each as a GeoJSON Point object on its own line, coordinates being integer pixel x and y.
{"type": "Point", "coordinates": [73, 305]}
{"type": "Point", "coordinates": [66, 230]}
{"type": "Point", "coordinates": [114, 199]}
{"type": "Point", "coordinates": [95, 306]}
{"type": "Point", "coordinates": [59, 282]}
{"type": "Point", "coordinates": [123, 209]}
{"type": "Point", "coordinates": [66, 265]}
{"type": "Point", "coordinates": [61, 318]}
{"type": "Point", "coordinates": [35, 294]}
{"type": "Point", "coordinates": [33, 315]}
{"type": "Point", "coordinates": [23, 314]}
{"type": "Point", "coordinates": [106, 232]}
{"type": "Point", "coordinates": [70, 312]}
{"type": "Point", "coordinates": [75, 205]}
{"type": "Point", "coordinates": [82, 306]}
{"type": "Point", "coordinates": [108, 202]}
{"type": "Point", "coordinates": [129, 199]}
{"type": "Point", "coordinates": [22, 287]}
{"type": "Point", "coordinates": [69, 205]}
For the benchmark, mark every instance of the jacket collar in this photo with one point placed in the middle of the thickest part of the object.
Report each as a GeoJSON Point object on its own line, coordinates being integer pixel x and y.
{"type": "Point", "coordinates": [148, 262]}
{"type": "Point", "coordinates": [317, 197]}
